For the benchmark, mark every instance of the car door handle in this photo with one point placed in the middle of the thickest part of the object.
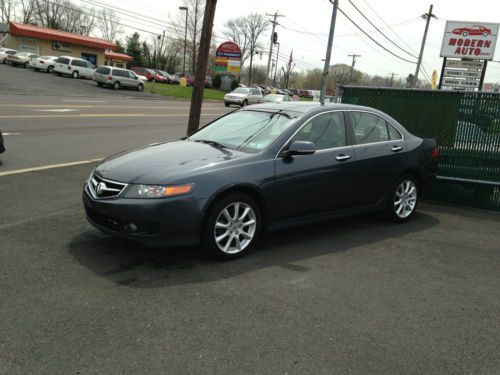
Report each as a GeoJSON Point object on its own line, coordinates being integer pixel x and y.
{"type": "Point", "coordinates": [396, 148]}
{"type": "Point", "coordinates": [343, 157]}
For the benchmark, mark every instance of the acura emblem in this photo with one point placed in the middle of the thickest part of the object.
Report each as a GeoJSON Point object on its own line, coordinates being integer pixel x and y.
{"type": "Point", "coordinates": [100, 187]}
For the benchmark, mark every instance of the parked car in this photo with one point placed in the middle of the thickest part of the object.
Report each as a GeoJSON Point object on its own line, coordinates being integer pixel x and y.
{"type": "Point", "coordinates": [4, 52]}
{"type": "Point", "coordinates": [165, 75]}
{"type": "Point", "coordinates": [20, 58]}
{"type": "Point", "coordinates": [74, 67]}
{"type": "Point", "coordinates": [148, 73]}
{"type": "Point", "coordinates": [263, 167]}
{"type": "Point", "coordinates": [175, 78]}
{"type": "Point", "coordinates": [243, 96]}
{"type": "Point", "coordinates": [43, 63]}
{"type": "Point", "coordinates": [275, 98]}
{"type": "Point", "coordinates": [2, 145]}
{"type": "Point", "coordinates": [144, 79]}
{"type": "Point", "coordinates": [117, 78]}
{"type": "Point", "coordinates": [160, 78]}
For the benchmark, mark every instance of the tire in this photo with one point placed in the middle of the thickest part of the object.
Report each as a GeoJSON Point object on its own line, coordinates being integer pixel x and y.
{"type": "Point", "coordinates": [59, 74]}
{"type": "Point", "coordinates": [100, 84]}
{"type": "Point", "coordinates": [245, 103]}
{"type": "Point", "coordinates": [403, 199]}
{"type": "Point", "coordinates": [223, 222]}
{"type": "Point", "coordinates": [75, 75]}
{"type": "Point", "coordinates": [226, 104]}
{"type": "Point", "coordinates": [50, 69]}
{"type": "Point", "coordinates": [26, 65]}
{"type": "Point", "coordinates": [140, 87]}
{"type": "Point", "coordinates": [116, 85]}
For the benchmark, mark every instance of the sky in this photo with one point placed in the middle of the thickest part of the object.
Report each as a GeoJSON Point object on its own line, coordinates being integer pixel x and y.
{"type": "Point", "coordinates": [305, 25]}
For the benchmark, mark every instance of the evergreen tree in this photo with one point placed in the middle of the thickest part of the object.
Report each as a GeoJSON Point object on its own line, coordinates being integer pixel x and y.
{"type": "Point", "coordinates": [134, 49]}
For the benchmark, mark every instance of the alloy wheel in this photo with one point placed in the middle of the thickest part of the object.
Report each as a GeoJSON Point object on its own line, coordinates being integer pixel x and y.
{"type": "Point", "coordinates": [405, 199]}
{"type": "Point", "coordinates": [235, 227]}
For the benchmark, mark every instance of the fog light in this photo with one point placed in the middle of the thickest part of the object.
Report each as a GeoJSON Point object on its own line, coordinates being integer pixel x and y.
{"type": "Point", "coordinates": [131, 227]}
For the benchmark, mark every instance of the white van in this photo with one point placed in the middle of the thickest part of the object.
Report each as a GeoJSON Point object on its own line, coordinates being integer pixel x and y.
{"type": "Point", "coordinates": [73, 67]}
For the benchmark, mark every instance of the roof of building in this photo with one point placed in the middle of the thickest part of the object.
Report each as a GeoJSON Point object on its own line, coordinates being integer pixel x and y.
{"type": "Point", "coordinates": [117, 56]}
{"type": "Point", "coordinates": [59, 36]}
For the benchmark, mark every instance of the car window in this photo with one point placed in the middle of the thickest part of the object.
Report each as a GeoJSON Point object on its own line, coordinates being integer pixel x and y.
{"type": "Point", "coordinates": [120, 73]}
{"type": "Point", "coordinates": [62, 60]}
{"type": "Point", "coordinates": [103, 70]}
{"type": "Point", "coordinates": [79, 63]}
{"type": "Point", "coordinates": [132, 75]}
{"type": "Point", "coordinates": [393, 133]}
{"type": "Point", "coordinates": [325, 131]}
{"type": "Point", "coordinates": [369, 128]}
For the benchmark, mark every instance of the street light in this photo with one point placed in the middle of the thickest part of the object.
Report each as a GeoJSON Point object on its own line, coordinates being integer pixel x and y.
{"type": "Point", "coordinates": [185, 41]}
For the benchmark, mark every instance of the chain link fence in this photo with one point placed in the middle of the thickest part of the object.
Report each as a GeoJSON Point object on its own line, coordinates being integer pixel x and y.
{"type": "Point", "coordinates": [467, 128]}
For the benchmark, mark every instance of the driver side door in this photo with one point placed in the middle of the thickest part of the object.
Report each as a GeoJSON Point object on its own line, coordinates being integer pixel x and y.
{"type": "Point", "coordinates": [320, 182]}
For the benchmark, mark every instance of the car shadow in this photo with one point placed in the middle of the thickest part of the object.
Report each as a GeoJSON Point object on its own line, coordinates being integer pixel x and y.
{"type": "Point", "coordinates": [127, 263]}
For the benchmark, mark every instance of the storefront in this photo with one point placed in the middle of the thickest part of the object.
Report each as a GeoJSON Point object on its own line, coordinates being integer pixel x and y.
{"type": "Point", "coordinates": [51, 42]}
{"type": "Point", "coordinates": [119, 60]}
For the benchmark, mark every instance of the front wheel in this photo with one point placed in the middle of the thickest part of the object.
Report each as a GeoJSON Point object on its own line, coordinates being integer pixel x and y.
{"type": "Point", "coordinates": [403, 199]}
{"type": "Point", "coordinates": [100, 84]}
{"type": "Point", "coordinates": [26, 65]}
{"type": "Point", "coordinates": [245, 103]}
{"type": "Point", "coordinates": [232, 226]}
{"type": "Point", "coordinates": [50, 69]}
{"type": "Point", "coordinates": [226, 104]}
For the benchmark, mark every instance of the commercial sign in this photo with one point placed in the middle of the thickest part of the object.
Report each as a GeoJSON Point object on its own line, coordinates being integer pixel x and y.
{"type": "Point", "coordinates": [472, 40]}
{"type": "Point", "coordinates": [462, 73]}
{"type": "Point", "coordinates": [452, 82]}
{"type": "Point", "coordinates": [464, 64]}
{"type": "Point", "coordinates": [228, 58]}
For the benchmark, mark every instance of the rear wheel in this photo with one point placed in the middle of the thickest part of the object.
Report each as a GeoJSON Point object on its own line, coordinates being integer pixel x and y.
{"type": "Point", "coordinates": [116, 85]}
{"type": "Point", "coordinates": [75, 74]}
{"type": "Point", "coordinates": [232, 226]}
{"type": "Point", "coordinates": [100, 84]}
{"type": "Point", "coordinates": [226, 104]}
{"type": "Point", "coordinates": [26, 65]}
{"type": "Point", "coordinates": [50, 69]}
{"type": "Point", "coordinates": [403, 199]}
{"type": "Point", "coordinates": [140, 87]}
{"type": "Point", "coordinates": [245, 103]}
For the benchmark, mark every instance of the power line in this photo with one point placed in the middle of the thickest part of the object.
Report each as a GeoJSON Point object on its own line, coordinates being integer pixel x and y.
{"type": "Point", "coordinates": [380, 31]}
{"type": "Point", "coordinates": [373, 40]}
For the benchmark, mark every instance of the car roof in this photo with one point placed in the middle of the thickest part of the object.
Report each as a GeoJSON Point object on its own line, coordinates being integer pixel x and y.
{"type": "Point", "coordinates": [306, 107]}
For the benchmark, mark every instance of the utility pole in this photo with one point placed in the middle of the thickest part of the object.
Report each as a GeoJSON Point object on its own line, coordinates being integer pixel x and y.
{"type": "Point", "coordinates": [427, 17]}
{"type": "Point", "coordinates": [328, 52]}
{"type": "Point", "coordinates": [274, 22]}
{"type": "Point", "coordinates": [276, 66]}
{"type": "Point", "coordinates": [352, 65]}
{"type": "Point", "coordinates": [201, 67]}
{"type": "Point", "coordinates": [392, 78]}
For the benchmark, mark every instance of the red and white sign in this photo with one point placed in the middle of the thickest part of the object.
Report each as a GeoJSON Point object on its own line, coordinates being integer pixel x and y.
{"type": "Point", "coordinates": [470, 40]}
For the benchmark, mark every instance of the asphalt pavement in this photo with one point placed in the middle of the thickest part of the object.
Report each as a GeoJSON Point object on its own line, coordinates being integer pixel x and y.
{"type": "Point", "coordinates": [356, 295]}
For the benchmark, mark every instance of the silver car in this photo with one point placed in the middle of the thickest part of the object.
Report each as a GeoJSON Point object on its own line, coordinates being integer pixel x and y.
{"type": "Point", "coordinates": [43, 63]}
{"type": "Point", "coordinates": [117, 78]}
{"type": "Point", "coordinates": [243, 96]}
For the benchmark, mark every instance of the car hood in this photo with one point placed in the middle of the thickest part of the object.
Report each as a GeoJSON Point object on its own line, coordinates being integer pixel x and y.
{"type": "Point", "coordinates": [163, 163]}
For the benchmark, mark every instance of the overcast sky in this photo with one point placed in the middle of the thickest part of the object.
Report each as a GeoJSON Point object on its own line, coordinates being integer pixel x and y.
{"type": "Point", "coordinates": [305, 27]}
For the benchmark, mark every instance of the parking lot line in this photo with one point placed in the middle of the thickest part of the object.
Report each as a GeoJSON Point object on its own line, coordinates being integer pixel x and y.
{"type": "Point", "coordinates": [83, 115]}
{"type": "Point", "coordinates": [52, 166]}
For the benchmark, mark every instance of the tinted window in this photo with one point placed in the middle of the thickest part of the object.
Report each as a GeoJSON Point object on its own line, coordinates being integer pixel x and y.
{"type": "Point", "coordinates": [325, 131]}
{"type": "Point", "coordinates": [393, 133]}
{"type": "Point", "coordinates": [120, 73]}
{"type": "Point", "coordinates": [62, 60]}
{"type": "Point", "coordinates": [369, 128]}
{"type": "Point", "coordinates": [79, 63]}
{"type": "Point", "coordinates": [103, 70]}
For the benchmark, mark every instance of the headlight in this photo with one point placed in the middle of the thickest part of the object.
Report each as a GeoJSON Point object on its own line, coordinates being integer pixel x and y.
{"type": "Point", "coordinates": [157, 191]}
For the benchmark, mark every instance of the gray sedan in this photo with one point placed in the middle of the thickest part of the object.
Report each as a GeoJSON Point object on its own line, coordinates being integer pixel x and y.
{"type": "Point", "coordinates": [243, 96]}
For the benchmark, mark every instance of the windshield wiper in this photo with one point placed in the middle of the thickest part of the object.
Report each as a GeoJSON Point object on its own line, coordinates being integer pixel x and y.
{"type": "Point", "coordinates": [211, 143]}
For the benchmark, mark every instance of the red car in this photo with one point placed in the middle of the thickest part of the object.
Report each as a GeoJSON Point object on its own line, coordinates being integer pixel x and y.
{"type": "Point", "coordinates": [473, 30]}
{"type": "Point", "coordinates": [148, 73]}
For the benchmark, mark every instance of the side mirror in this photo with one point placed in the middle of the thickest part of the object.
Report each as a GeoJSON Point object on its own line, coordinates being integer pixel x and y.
{"type": "Point", "coordinates": [300, 148]}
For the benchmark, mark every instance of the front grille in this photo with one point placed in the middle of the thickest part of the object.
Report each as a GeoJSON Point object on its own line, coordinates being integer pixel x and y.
{"type": "Point", "coordinates": [103, 188]}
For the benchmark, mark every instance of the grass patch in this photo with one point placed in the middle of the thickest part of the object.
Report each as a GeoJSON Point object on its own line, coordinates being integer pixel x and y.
{"type": "Point", "coordinates": [177, 91]}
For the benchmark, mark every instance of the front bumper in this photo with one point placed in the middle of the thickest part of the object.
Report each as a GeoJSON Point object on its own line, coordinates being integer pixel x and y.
{"type": "Point", "coordinates": [172, 221]}
{"type": "Point", "coordinates": [234, 100]}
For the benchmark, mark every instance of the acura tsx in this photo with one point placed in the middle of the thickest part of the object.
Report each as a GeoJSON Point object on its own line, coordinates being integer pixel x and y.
{"type": "Point", "coordinates": [262, 167]}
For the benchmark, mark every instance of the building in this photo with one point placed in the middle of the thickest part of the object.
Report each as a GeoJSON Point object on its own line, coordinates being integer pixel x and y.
{"type": "Point", "coordinates": [4, 31]}
{"type": "Point", "coordinates": [42, 41]}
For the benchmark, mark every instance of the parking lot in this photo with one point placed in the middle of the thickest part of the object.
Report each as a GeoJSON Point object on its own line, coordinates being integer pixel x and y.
{"type": "Point", "coordinates": [356, 295]}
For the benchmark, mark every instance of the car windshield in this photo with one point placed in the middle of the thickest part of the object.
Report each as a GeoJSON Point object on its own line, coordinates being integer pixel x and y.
{"type": "Point", "coordinates": [247, 131]}
{"type": "Point", "coordinates": [241, 90]}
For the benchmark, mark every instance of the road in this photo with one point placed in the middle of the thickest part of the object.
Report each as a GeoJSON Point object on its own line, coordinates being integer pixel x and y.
{"type": "Point", "coordinates": [356, 295]}
{"type": "Point", "coordinates": [51, 130]}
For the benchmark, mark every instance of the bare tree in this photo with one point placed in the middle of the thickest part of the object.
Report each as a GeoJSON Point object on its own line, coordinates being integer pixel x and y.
{"type": "Point", "coordinates": [108, 24]}
{"type": "Point", "coordinates": [27, 9]}
{"type": "Point", "coordinates": [246, 32]}
{"type": "Point", "coordinates": [7, 8]}
{"type": "Point", "coordinates": [287, 72]}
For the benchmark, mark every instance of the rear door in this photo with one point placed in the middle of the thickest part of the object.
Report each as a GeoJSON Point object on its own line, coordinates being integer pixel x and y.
{"type": "Point", "coordinates": [321, 182]}
{"type": "Point", "coordinates": [379, 152]}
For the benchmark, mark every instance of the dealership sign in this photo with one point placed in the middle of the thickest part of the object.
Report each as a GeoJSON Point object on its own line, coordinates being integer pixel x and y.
{"type": "Point", "coordinates": [470, 40]}
{"type": "Point", "coordinates": [228, 58]}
